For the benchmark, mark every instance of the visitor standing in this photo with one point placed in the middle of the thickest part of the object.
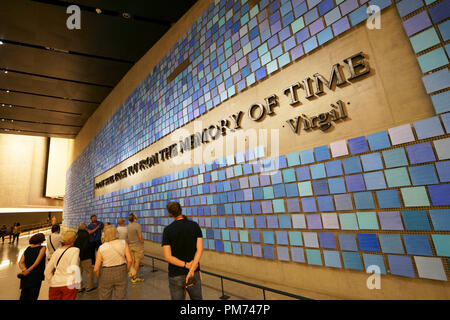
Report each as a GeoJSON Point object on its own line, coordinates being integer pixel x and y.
{"type": "Point", "coordinates": [122, 229]}
{"type": "Point", "coordinates": [11, 232]}
{"type": "Point", "coordinates": [82, 243]}
{"type": "Point", "coordinates": [54, 241]}
{"type": "Point", "coordinates": [115, 260]}
{"type": "Point", "coordinates": [32, 264]}
{"type": "Point", "coordinates": [182, 244]}
{"type": "Point", "coordinates": [63, 270]}
{"type": "Point", "coordinates": [95, 231]}
{"type": "Point", "coordinates": [136, 243]}
{"type": "Point", "coordinates": [16, 232]}
{"type": "Point", "coordinates": [3, 231]}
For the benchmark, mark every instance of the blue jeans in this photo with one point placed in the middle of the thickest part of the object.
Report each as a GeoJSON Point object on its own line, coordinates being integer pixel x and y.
{"type": "Point", "coordinates": [176, 287]}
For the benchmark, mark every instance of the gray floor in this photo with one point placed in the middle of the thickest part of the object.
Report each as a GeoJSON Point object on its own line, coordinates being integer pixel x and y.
{"type": "Point", "coordinates": [155, 286]}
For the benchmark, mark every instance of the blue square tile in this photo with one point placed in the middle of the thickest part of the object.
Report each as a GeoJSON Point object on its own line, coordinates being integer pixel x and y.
{"type": "Point", "coordinates": [255, 236]}
{"type": "Point", "coordinates": [283, 253]}
{"type": "Point", "coordinates": [372, 161]}
{"type": "Point", "coordinates": [437, 81]}
{"type": "Point", "coordinates": [352, 165]}
{"type": "Point", "coordinates": [313, 257]}
{"type": "Point", "coordinates": [306, 156]}
{"type": "Point", "coordinates": [303, 173]}
{"type": "Point", "coordinates": [417, 244]}
{"type": "Point", "coordinates": [337, 185]}
{"type": "Point", "coordinates": [298, 254]}
{"type": "Point", "coordinates": [318, 171]}
{"type": "Point", "coordinates": [405, 7]}
{"type": "Point", "coordinates": [355, 183]}
{"type": "Point", "coordinates": [320, 187]}
{"type": "Point", "coordinates": [333, 168]}
{"type": "Point", "coordinates": [440, 11]}
{"type": "Point", "coordinates": [428, 128]}
{"type": "Point", "coordinates": [445, 119]}
{"type": "Point", "coordinates": [293, 159]}
{"type": "Point", "coordinates": [352, 260]}
{"type": "Point", "coordinates": [400, 265]}
{"type": "Point", "coordinates": [371, 260]}
{"type": "Point", "coordinates": [309, 204]}
{"type": "Point", "coordinates": [279, 191]}
{"type": "Point", "coordinates": [416, 220]}
{"type": "Point", "coordinates": [440, 219]}
{"type": "Point", "coordinates": [343, 202]}
{"type": "Point", "coordinates": [388, 199]}
{"type": "Point", "coordinates": [363, 200]}
{"type": "Point", "coordinates": [375, 180]}
{"type": "Point", "coordinates": [439, 194]}
{"type": "Point", "coordinates": [293, 205]}
{"type": "Point", "coordinates": [423, 175]}
{"type": "Point", "coordinates": [391, 243]}
{"type": "Point", "coordinates": [289, 175]}
{"type": "Point", "coordinates": [332, 259]}
{"type": "Point", "coordinates": [347, 242]}
{"type": "Point", "coordinates": [359, 15]}
{"type": "Point", "coordinates": [327, 240]}
{"type": "Point", "coordinates": [368, 242]}
{"type": "Point", "coordinates": [247, 249]}
{"type": "Point", "coordinates": [284, 221]}
{"type": "Point", "coordinates": [358, 145]}
{"type": "Point", "coordinates": [291, 190]}
{"type": "Point", "coordinates": [322, 153]}
{"type": "Point", "coordinates": [379, 140]}
{"type": "Point", "coordinates": [325, 203]}
{"type": "Point", "coordinates": [395, 158]}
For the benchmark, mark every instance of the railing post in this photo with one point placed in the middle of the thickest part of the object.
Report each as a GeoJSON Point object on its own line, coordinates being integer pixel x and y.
{"type": "Point", "coordinates": [223, 297]}
{"type": "Point", "coordinates": [153, 265]}
{"type": "Point", "coordinates": [264, 294]}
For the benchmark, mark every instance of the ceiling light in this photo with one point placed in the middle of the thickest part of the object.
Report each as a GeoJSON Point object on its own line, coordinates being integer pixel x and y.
{"type": "Point", "coordinates": [6, 71]}
{"type": "Point", "coordinates": [7, 91]}
{"type": "Point", "coordinates": [3, 119]}
{"type": "Point", "coordinates": [3, 104]}
{"type": "Point", "coordinates": [12, 120]}
{"type": "Point", "coordinates": [98, 10]}
{"type": "Point", "coordinates": [1, 42]}
{"type": "Point", "coordinates": [10, 105]}
{"type": "Point", "coordinates": [126, 15]}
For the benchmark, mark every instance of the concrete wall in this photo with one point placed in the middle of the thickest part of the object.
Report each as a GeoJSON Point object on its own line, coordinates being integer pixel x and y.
{"type": "Point", "coordinates": [22, 171]}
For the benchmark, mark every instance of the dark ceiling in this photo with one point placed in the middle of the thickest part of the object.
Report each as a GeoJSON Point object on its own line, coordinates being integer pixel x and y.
{"type": "Point", "coordinates": [52, 78]}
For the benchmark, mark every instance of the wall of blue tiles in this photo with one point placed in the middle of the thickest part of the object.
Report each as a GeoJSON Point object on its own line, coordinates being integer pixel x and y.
{"type": "Point", "coordinates": [427, 25]}
{"type": "Point", "coordinates": [381, 199]}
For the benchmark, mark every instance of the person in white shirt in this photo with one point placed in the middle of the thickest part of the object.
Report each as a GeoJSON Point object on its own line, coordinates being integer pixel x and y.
{"type": "Point", "coordinates": [122, 230]}
{"type": "Point", "coordinates": [115, 258]}
{"type": "Point", "coordinates": [63, 270]}
{"type": "Point", "coordinates": [53, 241]}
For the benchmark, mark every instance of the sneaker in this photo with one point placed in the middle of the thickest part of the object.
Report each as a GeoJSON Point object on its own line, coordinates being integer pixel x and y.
{"type": "Point", "coordinates": [137, 280]}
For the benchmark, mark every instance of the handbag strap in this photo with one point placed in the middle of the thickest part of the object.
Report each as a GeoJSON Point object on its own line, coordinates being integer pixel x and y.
{"type": "Point", "coordinates": [61, 257]}
{"type": "Point", "coordinates": [50, 238]}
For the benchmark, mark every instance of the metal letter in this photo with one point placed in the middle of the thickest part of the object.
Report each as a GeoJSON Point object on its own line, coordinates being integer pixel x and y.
{"type": "Point", "coordinates": [293, 93]}
{"type": "Point", "coordinates": [261, 114]}
{"type": "Point", "coordinates": [352, 66]}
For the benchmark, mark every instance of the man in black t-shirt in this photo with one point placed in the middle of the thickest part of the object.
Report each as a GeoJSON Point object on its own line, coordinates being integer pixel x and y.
{"type": "Point", "coordinates": [183, 247]}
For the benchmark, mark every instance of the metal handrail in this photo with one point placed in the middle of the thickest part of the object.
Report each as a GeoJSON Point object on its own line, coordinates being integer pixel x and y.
{"type": "Point", "coordinates": [31, 228]}
{"type": "Point", "coordinates": [224, 297]}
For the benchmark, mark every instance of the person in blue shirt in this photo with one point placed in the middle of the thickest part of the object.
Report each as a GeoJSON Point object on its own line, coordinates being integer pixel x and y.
{"type": "Point", "coordinates": [95, 235]}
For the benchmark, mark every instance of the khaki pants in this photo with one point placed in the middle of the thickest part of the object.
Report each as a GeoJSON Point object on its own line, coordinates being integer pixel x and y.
{"type": "Point", "coordinates": [137, 254]}
{"type": "Point", "coordinates": [86, 266]}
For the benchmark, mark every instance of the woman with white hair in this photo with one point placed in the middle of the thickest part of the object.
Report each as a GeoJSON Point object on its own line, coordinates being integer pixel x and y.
{"type": "Point", "coordinates": [63, 270]}
{"type": "Point", "coordinates": [115, 258]}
